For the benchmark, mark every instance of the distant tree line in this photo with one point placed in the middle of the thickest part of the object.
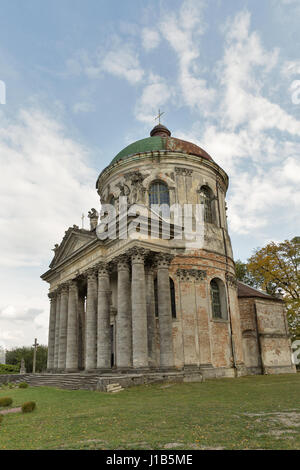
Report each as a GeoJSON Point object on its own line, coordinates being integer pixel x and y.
{"type": "Point", "coordinates": [15, 355]}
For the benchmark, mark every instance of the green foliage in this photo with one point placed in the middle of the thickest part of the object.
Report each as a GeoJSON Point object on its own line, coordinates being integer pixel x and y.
{"type": "Point", "coordinates": [14, 356]}
{"type": "Point", "coordinates": [28, 406]}
{"type": "Point", "coordinates": [5, 401]}
{"type": "Point", "coordinates": [275, 269]}
{"type": "Point", "coordinates": [1, 418]}
{"type": "Point", "coordinates": [9, 369]}
{"type": "Point", "coordinates": [23, 385]}
{"type": "Point", "coordinates": [243, 274]}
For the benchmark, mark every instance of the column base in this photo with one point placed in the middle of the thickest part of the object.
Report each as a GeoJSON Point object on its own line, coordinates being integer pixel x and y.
{"type": "Point", "coordinates": [139, 370]}
{"type": "Point", "coordinates": [191, 367]}
{"type": "Point", "coordinates": [167, 369]}
{"type": "Point", "coordinates": [70, 371]}
{"type": "Point", "coordinates": [104, 370]}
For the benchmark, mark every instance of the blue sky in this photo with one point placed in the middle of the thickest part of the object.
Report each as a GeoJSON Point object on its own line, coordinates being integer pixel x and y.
{"type": "Point", "coordinates": [84, 79]}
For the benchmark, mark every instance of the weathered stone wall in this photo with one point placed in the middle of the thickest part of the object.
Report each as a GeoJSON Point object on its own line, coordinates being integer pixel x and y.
{"type": "Point", "coordinates": [266, 342]}
{"type": "Point", "coordinates": [199, 340]}
{"type": "Point", "coordinates": [275, 342]}
{"type": "Point", "coordinates": [7, 378]}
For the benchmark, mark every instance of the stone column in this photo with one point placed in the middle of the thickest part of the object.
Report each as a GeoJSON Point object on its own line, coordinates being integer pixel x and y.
{"type": "Point", "coordinates": [151, 321]}
{"type": "Point", "coordinates": [91, 321]}
{"type": "Point", "coordinates": [103, 327]}
{"type": "Point", "coordinates": [72, 330]}
{"type": "Point", "coordinates": [164, 310]}
{"type": "Point", "coordinates": [57, 323]}
{"type": "Point", "coordinates": [81, 331]}
{"type": "Point", "coordinates": [124, 324]}
{"type": "Point", "coordinates": [139, 310]}
{"type": "Point", "coordinates": [51, 336]}
{"type": "Point", "coordinates": [63, 327]}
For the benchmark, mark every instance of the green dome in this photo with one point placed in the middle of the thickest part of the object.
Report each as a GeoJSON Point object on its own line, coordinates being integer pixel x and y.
{"type": "Point", "coordinates": [150, 144]}
{"type": "Point", "coordinates": [160, 140]}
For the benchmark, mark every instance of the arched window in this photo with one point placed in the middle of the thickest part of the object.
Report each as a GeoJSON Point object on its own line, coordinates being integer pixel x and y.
{"type": "Point", "coordinates": [173, 300]}
{"type": "Point", "coordinates": [215, 299]}
{"type": "Point", "coordinates": [172, 295]}
{"type": "Point", "coordinates": [218, 299]}
{"type": "Point", "coordinates": [112, 200]}
{"type": "Point", "coordinates": [206, 199]}
{"type": "Point", "coordinates": [159, 193]}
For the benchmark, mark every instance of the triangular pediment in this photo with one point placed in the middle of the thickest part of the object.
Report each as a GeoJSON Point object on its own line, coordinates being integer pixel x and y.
{"type": "Point", "coordinates": [73, 240]}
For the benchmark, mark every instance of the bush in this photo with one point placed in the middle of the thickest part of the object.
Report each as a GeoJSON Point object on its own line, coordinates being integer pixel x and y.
{"type": "Point", "coordinates": [23, 385]}
{"type": "Point", "coordinates": [28, 406]}
{"type": "Point", "coordinates": [1, 418]}
{"type": "Point", "coordinates": [5, 401]}
{"type": "Point", "coordinates": [9, 369]}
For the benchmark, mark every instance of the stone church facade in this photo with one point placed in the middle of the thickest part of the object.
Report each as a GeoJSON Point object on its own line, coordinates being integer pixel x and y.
{"type": "Point", "coordinates": [147, 303]}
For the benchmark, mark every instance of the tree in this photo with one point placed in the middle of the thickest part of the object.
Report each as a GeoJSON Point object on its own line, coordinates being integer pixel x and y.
{"type": "Point", "coordinates": [14, 356]}
{"type": "Point", "coordinates": [243, 274]}
{"type": "Point", "coordinates": [276, 269]}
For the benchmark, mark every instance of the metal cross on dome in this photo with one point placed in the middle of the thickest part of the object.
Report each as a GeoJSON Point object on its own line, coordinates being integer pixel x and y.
{"type": "Point", "coordinates": [159, 116]}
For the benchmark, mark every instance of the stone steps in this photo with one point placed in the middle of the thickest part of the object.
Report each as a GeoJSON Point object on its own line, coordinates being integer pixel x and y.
{"type": "Point", "coordinates": [114, 388]}
{"type": "Point", "coordinates": [106, 382]}
{"type": "Point", "coordinates": [64, 381]}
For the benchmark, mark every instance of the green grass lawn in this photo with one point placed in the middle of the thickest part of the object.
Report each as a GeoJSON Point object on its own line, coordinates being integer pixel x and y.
{"type": "Point", "coordinates": [261, 412]}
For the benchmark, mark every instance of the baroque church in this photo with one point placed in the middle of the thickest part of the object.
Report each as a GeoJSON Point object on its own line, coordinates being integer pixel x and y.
{"type": "Point", "coordinates": [145, 304]}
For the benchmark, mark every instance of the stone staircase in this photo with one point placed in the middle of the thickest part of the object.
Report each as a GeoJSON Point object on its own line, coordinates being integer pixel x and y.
{"type": "Point", "coordinates": [108, 382]}
{"type": "Point", "coordinates": [64, 381]}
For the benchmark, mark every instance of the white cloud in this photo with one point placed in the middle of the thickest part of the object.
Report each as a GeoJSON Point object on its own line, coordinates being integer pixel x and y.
{"type": "Point", "coordinates": [182, 31]}
{"type": "Point", "coordinates": [123, 62]}
{"type": "Point", "coordinates": [83, 107]}
{"type": "Point", "coordinates": [154, 95]}
{"type": "Point", "coordinates": [46, 185]}
{"type": "Point", "coordinates": [150, 38]}
{"type": "Point", "coordinates": [120, 60]}
{"type": "Point", "coordinates": [247, 142]}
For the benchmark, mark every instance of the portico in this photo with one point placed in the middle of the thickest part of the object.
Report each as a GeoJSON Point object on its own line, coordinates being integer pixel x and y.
{"type": "Point", "coordinates": [135, 322]}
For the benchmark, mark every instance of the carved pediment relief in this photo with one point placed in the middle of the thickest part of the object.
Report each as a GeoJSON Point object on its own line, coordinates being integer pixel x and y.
{"type": "Point", "coordinates": [73, 240]}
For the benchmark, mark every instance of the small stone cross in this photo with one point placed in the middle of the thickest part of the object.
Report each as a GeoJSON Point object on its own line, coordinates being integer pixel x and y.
{"type": "Point", "coordinates": [35, 345]}
{"type": "Point", "coordinates": [159, 116]}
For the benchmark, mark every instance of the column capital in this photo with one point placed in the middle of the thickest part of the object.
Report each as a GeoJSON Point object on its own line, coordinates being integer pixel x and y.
{"type": "Point", "coordinates": [137, 254]}
{"type": "Point", "coordinates": [122, 262]}
{"type": "Point", "coordinates": [72, 284]}
{"type": "Point", "coordinates": [52, 295]}
{"type": "Point", "coordinates": [91, 273]}
{"type": "Point", "coordinates": [191, 274]}
{"type": "Point", "coordinates": [64, 288]}
{"type": "Point", "coordinates": [231, 279]}
{"type": "Point", "coordinates": [103, 268]}
{"type": "Point", "coordinates": [163, 260]}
